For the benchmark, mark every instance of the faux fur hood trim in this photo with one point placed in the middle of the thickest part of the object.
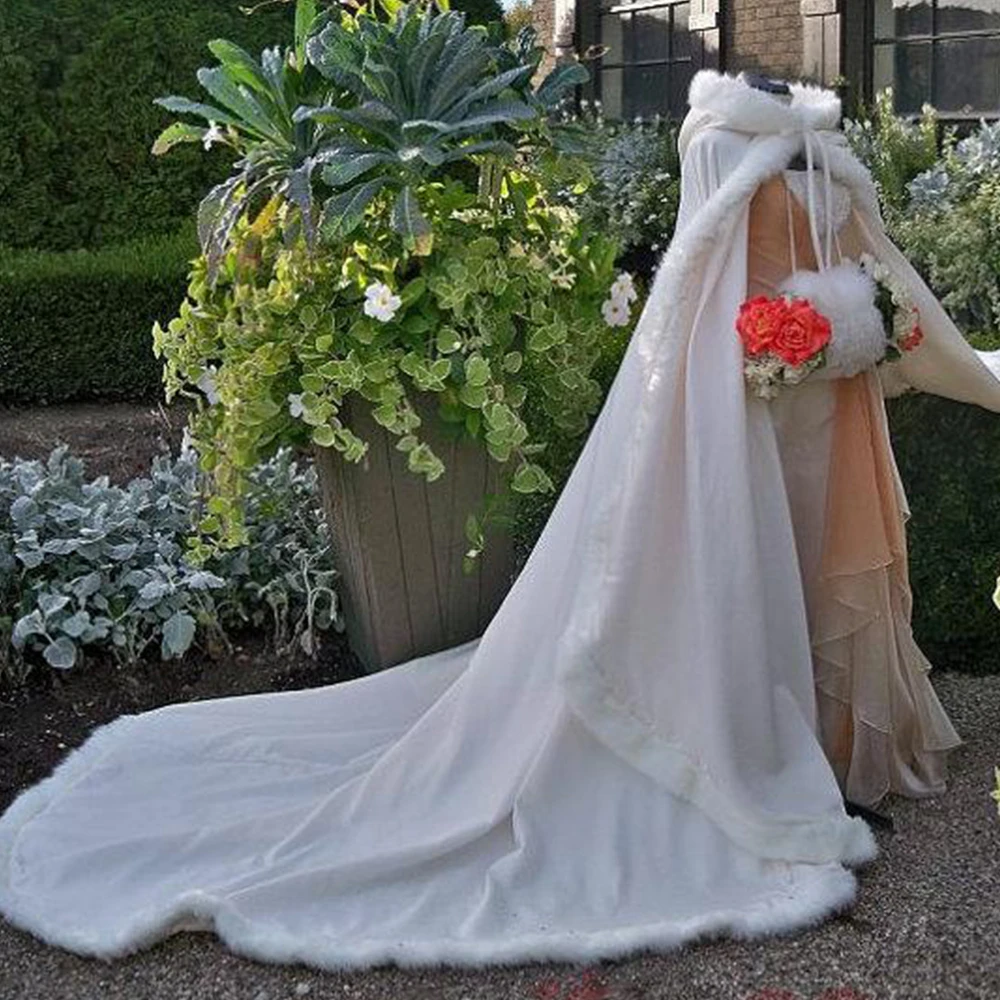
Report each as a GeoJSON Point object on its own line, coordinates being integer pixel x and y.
{"type": "Point", "coordinates": [744, 108]}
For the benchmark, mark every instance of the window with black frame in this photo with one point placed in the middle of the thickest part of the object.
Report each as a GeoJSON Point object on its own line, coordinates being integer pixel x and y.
{"type": "Point", "coordinates": [650, 59]}
{"type": "Point", "coordinates": [943, 52]}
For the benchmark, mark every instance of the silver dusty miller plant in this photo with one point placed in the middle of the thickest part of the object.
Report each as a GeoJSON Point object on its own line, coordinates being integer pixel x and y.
{"type": "Point", "coordinates": [89, 566]}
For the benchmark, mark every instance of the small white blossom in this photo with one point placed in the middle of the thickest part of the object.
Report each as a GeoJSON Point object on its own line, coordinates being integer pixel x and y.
{"type": "Point", "coordinates": [615, 312]}
{"type": "Point", "coordinates": [380, 303]}
{"type": "Point", "coordinates": [295, 407]}
{"type": "Point", "coordinates": [624, 288]}
{"type": "Point", "coordinates": [206, 382]}
{"type": "Point", "coordinates": [212, 134]}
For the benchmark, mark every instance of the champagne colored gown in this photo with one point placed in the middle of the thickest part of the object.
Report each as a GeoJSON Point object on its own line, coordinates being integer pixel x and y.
{"type": "Point", "coordinates": [880, 722]}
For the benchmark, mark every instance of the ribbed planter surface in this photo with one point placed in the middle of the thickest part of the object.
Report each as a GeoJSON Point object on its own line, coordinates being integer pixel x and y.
{"type": "Point", "coordinates": [399, 540]}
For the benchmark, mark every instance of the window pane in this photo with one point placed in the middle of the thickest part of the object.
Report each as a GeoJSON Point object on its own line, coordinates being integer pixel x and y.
{"type": "Point", "coordinates": [613, 35]}
{"type": "Point", "coordinates": [646, 91]}
{"type": "Point", "coordinates": [611, 92]}
{"type": "Point", "coordinates": [968, 15]}
{"type": "Point", "coordinates": [967, 75]}
{"type": "Point", "coordinates": [651, 29]}
{"type": "Point", "coordinates": [898, 18]}
{"type": "Point", "coordinates": [907, 69]}
{"type": "Point", "coordinates": [681, 38]}
{"type": "Point", "coordinates": [680, 80]}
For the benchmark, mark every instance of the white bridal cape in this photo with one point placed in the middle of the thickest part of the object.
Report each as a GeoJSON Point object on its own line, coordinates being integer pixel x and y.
{"type": "Point", "coordinates": [626, 758]}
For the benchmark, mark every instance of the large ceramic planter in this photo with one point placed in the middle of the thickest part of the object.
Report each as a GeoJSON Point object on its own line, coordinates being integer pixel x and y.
{"type": "Point", "coordinates": [399, 540]}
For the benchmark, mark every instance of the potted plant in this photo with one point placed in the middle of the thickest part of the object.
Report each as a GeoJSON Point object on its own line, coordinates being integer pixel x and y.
{"type": "Point", "coordinates": [431, 301]}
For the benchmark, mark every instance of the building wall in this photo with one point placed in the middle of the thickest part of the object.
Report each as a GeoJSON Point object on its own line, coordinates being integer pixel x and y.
{"type": "Point", "coordinates": [764, 36]}
{"type": "Point", "coordinates": [790, 39]}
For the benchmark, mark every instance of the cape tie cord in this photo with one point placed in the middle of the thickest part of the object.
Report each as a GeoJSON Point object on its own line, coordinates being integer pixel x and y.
{"type": "Point", "coordinates": [809, 136]}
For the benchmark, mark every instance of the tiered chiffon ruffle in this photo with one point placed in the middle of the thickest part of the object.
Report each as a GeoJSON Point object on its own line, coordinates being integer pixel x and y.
{"type": "Point", "coordinates": [880, 721]}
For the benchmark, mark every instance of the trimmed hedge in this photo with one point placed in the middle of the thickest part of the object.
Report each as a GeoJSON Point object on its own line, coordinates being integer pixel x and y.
{"type": "Point", "coordinates": [78, 325]}
{"type": "Point", "coordinates": [948, 455]}
{"type": "Point", "coordinates": [77, 119]}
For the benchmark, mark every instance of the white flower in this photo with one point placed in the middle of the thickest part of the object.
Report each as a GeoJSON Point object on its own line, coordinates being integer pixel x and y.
{"type": "Point", "coordinates": [615, 312]}
{"type": "Point", "coordinates": [380, 303]}
{"type": "Point", "coordinates": [623, 288]}
{"type": "Point", "coordinates": [213, 134]}
{"type": "Point", "coordinates": [295, 407]}
{"type": "Point", "coordinates": [187, 442]}
{"type": "Point", "coordinates": [206, 382]}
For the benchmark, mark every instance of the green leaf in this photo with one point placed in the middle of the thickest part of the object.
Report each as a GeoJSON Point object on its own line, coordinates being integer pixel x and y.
{"type": "Point", "coordinates": [527, 479]}
{"type": "Point", "coordinates": [61, 653]}
{"type": "Point", "coordinates": [324, 435]}
{"type": "Point", "coordinates": [242, 67]}
{"type": "Point", "coordinates": [413, 290]}
{"type": "Point", "coordinates": [512, 361]}
{"type": "Point", "coordinates": [305, 17]}
{"type": "Point", "coordinates": [178, 634]}
{"type": "Point", "coordinates": [448, 340]}
{"type": "Point", "coordinates": [344, 164]}
{"type": "Point", "coordinates": [343, 212]}
{"type": "Point", "coordinates": [477, 370]}
{"type": "Point", "coordinates": [175, 134]}
{"type": "Point", "coordinates": [218, 81]}
{"type": "Point", "coordinates": [564, 77]}
{"type": "Point", "coordinates": [182, 106]}
{"type": "Point", "coordinates": [410, 222]}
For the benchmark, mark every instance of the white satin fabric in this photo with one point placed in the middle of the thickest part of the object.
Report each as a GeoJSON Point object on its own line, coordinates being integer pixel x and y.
{"type": "Point", "coordinates": [626, 758]}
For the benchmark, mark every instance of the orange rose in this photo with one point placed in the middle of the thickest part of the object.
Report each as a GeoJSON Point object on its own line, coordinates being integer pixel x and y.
{"type": "Point", "coordinates": [802, 335]}
{"type": "Point", "coordinates": [759, 321]}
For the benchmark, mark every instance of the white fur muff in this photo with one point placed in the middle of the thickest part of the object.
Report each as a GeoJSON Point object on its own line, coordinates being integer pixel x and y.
{"type": "Point", "coordinates": [845, 295]}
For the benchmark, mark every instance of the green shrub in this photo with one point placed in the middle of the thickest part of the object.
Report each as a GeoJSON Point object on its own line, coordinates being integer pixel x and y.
{"type": "Point", "coordinates": [77, 116]}
{"type": "Point", "coordinates": [893, 148]}
{"type": "Point", "coordinates": [76, 325]}
{"type": "Point", "coordinates": [948, 455]}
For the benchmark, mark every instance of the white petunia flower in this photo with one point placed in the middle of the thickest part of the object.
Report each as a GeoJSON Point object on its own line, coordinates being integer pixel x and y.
{"type": "Point", "coordinates": [213, 134]}
{"type": "Point", "coordinates": [615, 312]}
{"type": "Point", "coordinates": [380, 303]}
{"type": "Point", "coordinates": [295, 407]}
{"type": "Point", "coordinates": [624, 288]}
{"type": "Point", "coordinates": [206, 382]}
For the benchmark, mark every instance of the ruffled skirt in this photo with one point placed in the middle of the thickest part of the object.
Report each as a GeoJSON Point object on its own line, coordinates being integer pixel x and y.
{"type": "Point", "coordinates": [879, 720]}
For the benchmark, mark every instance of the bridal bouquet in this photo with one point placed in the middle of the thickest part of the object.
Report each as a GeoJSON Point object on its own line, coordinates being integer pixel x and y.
{"type": "Point", "coordinates": [833, 323]}
{"type": "Point", "coordinates": [784, 340]}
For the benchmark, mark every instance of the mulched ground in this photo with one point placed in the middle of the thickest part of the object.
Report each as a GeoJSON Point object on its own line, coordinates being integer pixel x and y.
{"type": "Point", "coordinates": [926, 923]}
{"type": "Point", "coordinates": [118, 440]}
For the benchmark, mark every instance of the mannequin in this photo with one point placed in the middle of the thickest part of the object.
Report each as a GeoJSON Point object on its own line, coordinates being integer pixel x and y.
{"type": "Point", "coordinates": [633, 754]}
{"type": "Point", "coordinates": [842, 520]}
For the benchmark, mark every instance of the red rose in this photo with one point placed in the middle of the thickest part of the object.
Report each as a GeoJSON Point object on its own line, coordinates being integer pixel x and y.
{"type": "Point", "coordinates": [802, 335]}
{"type": "Point", "coordinates": [758, 323]}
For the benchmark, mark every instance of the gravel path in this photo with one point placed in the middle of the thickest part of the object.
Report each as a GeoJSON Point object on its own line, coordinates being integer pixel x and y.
{"type": "Point", "coordinates": [926, 924]}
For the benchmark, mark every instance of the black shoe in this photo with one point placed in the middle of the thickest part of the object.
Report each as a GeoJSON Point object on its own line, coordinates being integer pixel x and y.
{"type": "Point", "coordinates": [869, 815]}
